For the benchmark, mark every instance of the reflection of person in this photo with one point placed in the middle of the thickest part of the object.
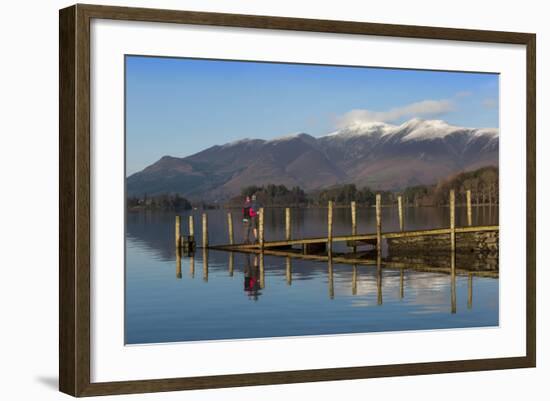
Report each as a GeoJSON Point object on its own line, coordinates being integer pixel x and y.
{"type": "Point", "coordinates": [252, 278]}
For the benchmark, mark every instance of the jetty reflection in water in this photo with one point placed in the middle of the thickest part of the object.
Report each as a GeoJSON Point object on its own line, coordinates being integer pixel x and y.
{"type": "Point", "coordinates": [258, 295]}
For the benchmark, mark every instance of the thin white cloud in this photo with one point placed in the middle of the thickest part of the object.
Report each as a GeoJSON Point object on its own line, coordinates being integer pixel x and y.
{"type": "Point", "coordinates": [489, 103]}
{"type": "Point", "coordinates": [425, 108]}
{"type": "Point", "coordinates": [462, 94]}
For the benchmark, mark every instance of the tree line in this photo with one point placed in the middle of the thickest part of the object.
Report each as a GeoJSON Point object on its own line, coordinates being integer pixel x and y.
{"type": "Point", "coordinates": [483, 184]}
{"type": "Point", "coordinates": [173, 202]}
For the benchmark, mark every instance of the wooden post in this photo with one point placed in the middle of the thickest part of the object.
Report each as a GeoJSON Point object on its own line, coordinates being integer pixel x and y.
{"type": "Point", "coordinates": [469, 206]}
{"type": "Point", "coordinates": [452, 218]}
{"type": "Point", "coordinates": [178, 231]}
{"type": "Point", "coordinates": [261, 228]}
{"type": "Point", "coordinates": [204, 230]}
{"type": "Point", "coordinates": [288, 270]}
{"type": "Point", "coordinates": [354, 223]}
{"type": "Point", "coordinates": [329, 228]}
{"type": "Point", "coordinates": [191, 226]}
{"type": "Point", "coordinates": [230, 227]}
{"type": "Point", "coordinates": [400, 209]}
{"type": "Point", "coordinates": [378, 224]}
{"type": "Point", "coordinates": [287, 224]}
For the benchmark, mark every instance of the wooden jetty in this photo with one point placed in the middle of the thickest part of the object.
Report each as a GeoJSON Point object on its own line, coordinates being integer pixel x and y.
{"type": "Point", "coordinates": [472, 238]}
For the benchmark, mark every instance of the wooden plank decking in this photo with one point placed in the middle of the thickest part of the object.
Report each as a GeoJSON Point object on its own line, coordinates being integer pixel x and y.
{"type": "Point", "coordinates": [369, 238]}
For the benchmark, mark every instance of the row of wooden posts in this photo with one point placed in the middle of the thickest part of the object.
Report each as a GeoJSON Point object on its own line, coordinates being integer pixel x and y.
{"type": "Point", "coordinates": [188, 242]}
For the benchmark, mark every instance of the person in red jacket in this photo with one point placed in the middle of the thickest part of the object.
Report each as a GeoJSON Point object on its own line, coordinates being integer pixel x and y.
{"type": "Point", "coordinates": [246, 219]}
{"type": "Point", "coordinates": [251, 209]}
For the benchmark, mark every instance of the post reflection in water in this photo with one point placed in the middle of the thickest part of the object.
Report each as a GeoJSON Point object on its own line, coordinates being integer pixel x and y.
{"type": "Point", "coordinates": [254, 272]}
{"type": "Point", "coordinates": [401, 284]}
{"type": "Point", "coordinates": [262, 271]}
{"type": "Point", "coordinates": [231, 263]}
{"type": "Point", "coordinates": [252, 278]}
{"type": "Point", "coordinates": [453, 283]}
{"type": "Point", "coordinates": [288, 264]}
{"type": "Point", "coordinates": [354, 280]}
{"type": "Point", "coordinates": [192, 265]}
{"type": "Point", "coordinates": [330, 278]}
{"type": "Point", "coordinates": [178, 263]}
{"type": "Point", "coordinates": [379, 278]}
{"type": "Point", "coordinates": [205, 264]}
{"type": "Point", "coordinates": [470, 290]}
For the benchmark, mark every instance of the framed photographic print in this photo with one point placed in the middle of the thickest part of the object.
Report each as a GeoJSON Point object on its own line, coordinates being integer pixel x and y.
{"type": "Point", "coordinates": [250, 200]}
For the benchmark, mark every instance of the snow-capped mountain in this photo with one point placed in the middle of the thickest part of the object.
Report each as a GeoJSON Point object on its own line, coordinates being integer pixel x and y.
{"type": "Point", "coordinates": [380, 155]}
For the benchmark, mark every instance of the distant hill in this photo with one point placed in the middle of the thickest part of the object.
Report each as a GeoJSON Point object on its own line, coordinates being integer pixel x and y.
{"type": "Point", "coordinates": [378, 155]}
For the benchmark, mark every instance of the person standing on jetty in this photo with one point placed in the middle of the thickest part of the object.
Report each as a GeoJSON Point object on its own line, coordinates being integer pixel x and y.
{"type": "Point", "coordinates": [254, 210]}
{"type": "Point", "coordinates": [246, 219]}
{"type": "Point", "coordinates": [250, 218]}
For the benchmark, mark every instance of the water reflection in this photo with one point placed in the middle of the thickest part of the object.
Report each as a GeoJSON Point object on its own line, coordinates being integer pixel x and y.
{"type": "Point", "coordinates": [231, 263]}
{"type": "Point", "coordinates": [252, 278]}
{"type": "Point", "coordinates": [453, 283]}
{"type": "Point", "coordinates": [254, 273]}
{"type": "Point", "coordinates": [379, 278]}
{"type": "Point", "coordinates": [401, 284]}
{"type": "Point", "coordinates": [205, 264]}
{"type": "Point", "coordinates": [288, 270]}
{"type": "Point", "coordinates": [354, 281]}
{"type": "Point", "coordinates": [330, 278]}
{"type": "Point", "coordinates": [178, 263]}
{"type": "Point", "coordinates": [294, 295]}
{"type": "Point", "coordinates": [470, 290]}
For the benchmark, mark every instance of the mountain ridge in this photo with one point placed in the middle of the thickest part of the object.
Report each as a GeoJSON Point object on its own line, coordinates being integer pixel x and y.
{"type": "Point", "coordinates": [379, 155]}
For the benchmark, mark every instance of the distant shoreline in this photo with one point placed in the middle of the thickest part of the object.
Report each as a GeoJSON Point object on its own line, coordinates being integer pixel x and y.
{"type": "Point", "coordinates": [135, 209]}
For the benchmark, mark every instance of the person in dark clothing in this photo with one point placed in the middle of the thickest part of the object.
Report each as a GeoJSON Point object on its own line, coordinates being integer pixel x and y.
{"type": "Point", "coordinates": [246, 219]}
{"type": "Point", "coordinates": [254, 211]}
{"type": "Point", "coordinates": [251, 210]}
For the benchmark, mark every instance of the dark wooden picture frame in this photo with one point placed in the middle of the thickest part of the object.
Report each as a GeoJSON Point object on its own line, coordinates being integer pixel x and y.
{"type": "Point", "coordinates": [74, 204]}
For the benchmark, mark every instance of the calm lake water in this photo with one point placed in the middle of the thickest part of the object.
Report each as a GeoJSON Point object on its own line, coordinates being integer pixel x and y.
{"type": "Point", "coordinates": [228, 297]}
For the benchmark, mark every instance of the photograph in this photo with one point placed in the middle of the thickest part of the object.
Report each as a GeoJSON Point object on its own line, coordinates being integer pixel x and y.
{"type": "Point", "coordinates": [273, 199]}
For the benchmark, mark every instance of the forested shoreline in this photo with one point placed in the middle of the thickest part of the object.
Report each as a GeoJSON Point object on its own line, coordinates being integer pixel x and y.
{"type": "Point", "coordinates": [483, 184]}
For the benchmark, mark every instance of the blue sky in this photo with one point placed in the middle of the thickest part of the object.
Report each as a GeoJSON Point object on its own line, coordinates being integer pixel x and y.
{"type": "Point", "coordinates": [178, 106]}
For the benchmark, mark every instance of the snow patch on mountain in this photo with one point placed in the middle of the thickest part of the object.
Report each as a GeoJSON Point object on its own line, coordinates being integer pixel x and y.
{"type": "Point", "coordinates": [241, 142]}
{"type": "Point", "coordinates": [426, 129]}
{"type": "Point", "coordinates": [413, 130]}
{"type": "Point", "coordinates": [363, 128]}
